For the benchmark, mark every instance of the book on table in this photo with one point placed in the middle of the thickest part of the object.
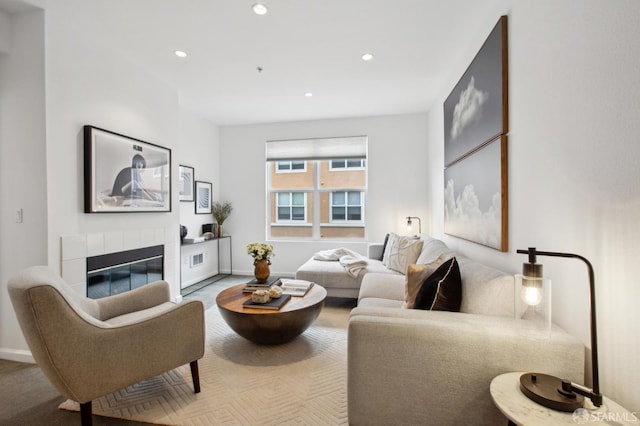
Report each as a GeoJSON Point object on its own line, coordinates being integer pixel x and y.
{"type": "Point", "coordinates": [296, 287]}
{"type": "Point", "coordinates": [272, 304]}
{"type": "Point", "coordinates": [254, 285]}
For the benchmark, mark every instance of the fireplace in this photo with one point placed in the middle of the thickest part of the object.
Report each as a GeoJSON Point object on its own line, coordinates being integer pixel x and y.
{"type": "Point", "coordinates": [119, 272]}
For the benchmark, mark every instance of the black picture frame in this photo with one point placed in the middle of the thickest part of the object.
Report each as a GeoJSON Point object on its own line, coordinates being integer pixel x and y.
{"type": "Point", "coordinates": [124, 174]}
{"type": "Point", "coordinates": [186, 181]}
{"type": "Point", "coordinates": [203, 194]}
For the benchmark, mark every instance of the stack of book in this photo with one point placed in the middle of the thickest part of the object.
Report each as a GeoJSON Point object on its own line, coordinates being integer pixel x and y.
{"type": "Point", "coordinates": [254, 285]}
{"type": "Point", "coordinates": [296, 287]}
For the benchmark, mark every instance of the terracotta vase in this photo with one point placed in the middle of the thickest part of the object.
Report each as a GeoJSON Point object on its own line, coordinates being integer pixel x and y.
{"type": "Point", "coordinates": [261, 270]}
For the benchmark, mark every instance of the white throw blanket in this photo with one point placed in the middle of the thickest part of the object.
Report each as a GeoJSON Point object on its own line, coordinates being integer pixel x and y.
{"type": "Point", "coordinates": [353, 262]}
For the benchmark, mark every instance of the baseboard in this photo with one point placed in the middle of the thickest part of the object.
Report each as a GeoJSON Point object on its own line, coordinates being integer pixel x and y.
{"type": "Point", "coordinates": [18, 355]}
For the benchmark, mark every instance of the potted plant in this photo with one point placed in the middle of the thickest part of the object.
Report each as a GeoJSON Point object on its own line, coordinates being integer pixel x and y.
{"type": "Point", "coordinates": [221, 211]}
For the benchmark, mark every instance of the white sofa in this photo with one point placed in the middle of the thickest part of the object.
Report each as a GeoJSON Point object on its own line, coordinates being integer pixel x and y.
{"type": "Point", "coordinates": [408, 367]}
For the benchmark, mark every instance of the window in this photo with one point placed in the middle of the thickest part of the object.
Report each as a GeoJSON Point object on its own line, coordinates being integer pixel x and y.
{"type": "Point", "coordinates": [291, 166]}
{"type": "Point", "coordinates": [346, 206]}
{"type": "Point", "coordinates": [325, 197]}
{"type": "Point", "coordinates": [291, 206]}
{"type": "Point", "coordinates": [347, 164]}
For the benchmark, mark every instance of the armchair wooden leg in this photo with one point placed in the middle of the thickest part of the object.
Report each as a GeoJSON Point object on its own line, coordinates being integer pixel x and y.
{"type": "Point", "coordinates": [86, 418]}
{"type": "Point", "coordinates": [195, 376]}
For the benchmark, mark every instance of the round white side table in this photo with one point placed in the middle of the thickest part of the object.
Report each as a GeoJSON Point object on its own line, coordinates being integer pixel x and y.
{"type": "Point", "coordinates": [520, 410]}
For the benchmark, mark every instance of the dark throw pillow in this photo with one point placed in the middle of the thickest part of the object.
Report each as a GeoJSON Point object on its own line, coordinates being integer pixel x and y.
{"type": "Point", "coordinates": [442, 290]}
{"type": "Point", "coordinates": [384, 247]}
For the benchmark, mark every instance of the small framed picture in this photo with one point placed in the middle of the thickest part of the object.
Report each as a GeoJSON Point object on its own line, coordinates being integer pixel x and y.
{"type": "Point", "coordinates": [203, 197]}
{"type": "Point", "coordinates": [186, 183]}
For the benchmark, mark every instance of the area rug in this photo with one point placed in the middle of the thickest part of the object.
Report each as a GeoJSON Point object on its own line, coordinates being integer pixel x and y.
{"type": "Point", "coordinates": [301, 382]}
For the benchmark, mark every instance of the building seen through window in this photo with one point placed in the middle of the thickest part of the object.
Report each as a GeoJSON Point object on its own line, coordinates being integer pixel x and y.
{"type": "Point", "coordinates": [317, 198]}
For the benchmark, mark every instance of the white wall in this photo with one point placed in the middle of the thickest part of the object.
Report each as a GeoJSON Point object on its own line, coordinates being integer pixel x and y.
{"type": "Point", "coordinates": [22, 164]}
{"type": "Point", "coordinates": [573, 166]}
{"type": "Point", "coordinates": [42, 164]}
{"type": "Point", "coordinates": [396, 188]}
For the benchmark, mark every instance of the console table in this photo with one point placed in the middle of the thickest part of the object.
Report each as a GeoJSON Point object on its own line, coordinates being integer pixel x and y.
{"type": "Point", "coordinates": [210, 279]}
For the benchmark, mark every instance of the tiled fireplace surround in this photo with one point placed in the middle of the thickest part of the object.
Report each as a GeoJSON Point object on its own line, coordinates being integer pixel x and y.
{"type": "Point", "coordinates": [76, 248]}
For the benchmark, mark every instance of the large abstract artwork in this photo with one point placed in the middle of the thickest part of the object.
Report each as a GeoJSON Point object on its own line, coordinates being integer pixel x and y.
{"type": "Point", "coordinates": [475, 146]}
{"type": "Point", "coordinates": [123, 174]}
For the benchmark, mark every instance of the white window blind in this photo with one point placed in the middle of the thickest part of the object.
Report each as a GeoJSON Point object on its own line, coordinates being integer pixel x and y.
{"type": "Point", "coordinates": [352, 147]}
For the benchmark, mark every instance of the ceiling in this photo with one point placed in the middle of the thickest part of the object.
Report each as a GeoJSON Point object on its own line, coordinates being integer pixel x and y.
{"type": "Point", "coordinates": [300, 45]}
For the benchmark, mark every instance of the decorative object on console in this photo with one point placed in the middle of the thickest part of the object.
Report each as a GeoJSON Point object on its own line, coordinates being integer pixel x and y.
{"type": "Point", "coordinates": [186, 183]}
{"type": "Point", "coordinates": [203, 197]}
{"type": "Point", "coordinates": [550, 391]}
{"type": "Point", "coordinates": [410, 224]}
{"type": "Point", "coordinates": [221, 211]}
{"type": "Point", "coordinates": [476, 125]}
{"type": "Point", "coordinates": [183, 233]}
{"type": "Point", "coordinates": [123, 174]}
{"type": "Point", "coordinates": [261, 253]}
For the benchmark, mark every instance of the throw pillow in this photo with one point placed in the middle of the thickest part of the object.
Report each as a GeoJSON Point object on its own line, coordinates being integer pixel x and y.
{"type": "Point", "coordinates": [416, 275]}
{"type": "Point", "coordinates": [442, 291]}
{"type": "Point", "coordinates": [401, 252]}
{"type": "Point", "coordinates": [384, 247]}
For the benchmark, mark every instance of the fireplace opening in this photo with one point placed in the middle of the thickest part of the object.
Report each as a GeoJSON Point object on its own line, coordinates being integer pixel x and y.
{"type": "Point", "coordinates": [119, 272]}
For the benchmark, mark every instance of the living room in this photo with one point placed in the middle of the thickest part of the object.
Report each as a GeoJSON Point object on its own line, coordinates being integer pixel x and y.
{"type": "Point", "coordinates": [573, 171]}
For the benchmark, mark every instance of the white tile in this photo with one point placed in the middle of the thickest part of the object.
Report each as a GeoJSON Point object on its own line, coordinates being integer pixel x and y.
{"type": "Point", "coordinates": [80, 288]}
{"type": "Point", "coordinates": [113, 242]}
{"type": "Point", "coordinates": [131, 240]}
{"type": "Point", "coordinates": [73, 247]}
{"type": "Point", "coordinates": [95, 244]}
{"type": "Point", "coordinates": [147, 238]}
{"type": "Point", "coordinates": [159, 236]}
{"type": "Point", "coordinates": [74, 271]}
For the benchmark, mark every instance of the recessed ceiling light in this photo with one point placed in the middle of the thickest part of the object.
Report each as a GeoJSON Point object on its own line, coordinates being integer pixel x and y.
{"type": "Point", "coordinates": [308, 94]}
{"type": "Point", "coordinates": [180, 53]}
{"type": "Point", "coordinates": [259, 9]}
{"type": "Point", "coordinates": [367, 56]}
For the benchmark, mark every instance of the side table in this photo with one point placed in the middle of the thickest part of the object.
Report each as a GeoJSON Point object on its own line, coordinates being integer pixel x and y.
{"type": "Point", "coordinates": [520, 410]}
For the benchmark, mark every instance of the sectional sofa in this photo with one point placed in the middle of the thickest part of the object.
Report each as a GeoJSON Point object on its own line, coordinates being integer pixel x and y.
{"type": "Point", "coordinates": [410, 366]}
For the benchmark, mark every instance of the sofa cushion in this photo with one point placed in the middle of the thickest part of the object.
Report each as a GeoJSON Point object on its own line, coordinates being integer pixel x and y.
{"type": "Point", "coordinates": [382, 286]}
{"type": "Point", "coordinates": [432, 249]}
{"type": "Point", "coordinates": [401, 251]}
{"type": "Point", "coordinates": [485, 290]}
{"type": "Point", "coordinates": [416, 275]}
{"type": "Point", "coordinates": [442, 290]}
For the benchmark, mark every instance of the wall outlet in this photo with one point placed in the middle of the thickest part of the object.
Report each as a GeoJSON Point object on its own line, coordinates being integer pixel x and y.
{"type": "Point", "coordinates": [19, 216]}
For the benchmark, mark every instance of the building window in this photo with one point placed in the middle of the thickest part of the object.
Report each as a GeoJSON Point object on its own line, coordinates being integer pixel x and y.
{"type": "Point", "coordinates": [291, 166]}
{"type": "Point", "coordinates": [347, 164]}
{"type": "Point", "coordinates": [291, 206]}
{"type": "Point", "coordinates": [346, 206]}
{"type": "Point", "coordinates": [325, 197]}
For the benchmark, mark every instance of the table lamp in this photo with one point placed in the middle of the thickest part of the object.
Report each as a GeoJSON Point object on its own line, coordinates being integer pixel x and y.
{"type": "Point", "coordinates": [547, 390]}
{"type": "Point", "coordinates": [410, 224]}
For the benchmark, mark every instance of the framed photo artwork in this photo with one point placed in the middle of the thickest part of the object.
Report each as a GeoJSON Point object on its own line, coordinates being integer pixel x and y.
{"type": "Point", "coordinates": [186, 183]}
{"type": "Point", "coordinates": [203, 197]}
{"type": "Point", "coordinates": [475, 196]}
{"type": "Point", "coordinates": [475, 112]}
{"type": "Point", "coordinates": [124, 175]}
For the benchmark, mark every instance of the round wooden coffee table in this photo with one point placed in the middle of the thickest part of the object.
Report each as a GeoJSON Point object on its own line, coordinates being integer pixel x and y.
{"type": "Point", "coordinates": [267, 326]}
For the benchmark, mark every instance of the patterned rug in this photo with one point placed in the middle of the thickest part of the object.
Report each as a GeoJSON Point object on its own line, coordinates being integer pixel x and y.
{"type": "Point", "coordinates": [302, 382]}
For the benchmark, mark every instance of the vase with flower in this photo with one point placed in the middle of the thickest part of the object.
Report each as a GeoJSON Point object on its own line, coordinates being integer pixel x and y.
{"type": "Point", "coordinates": [262, 254]}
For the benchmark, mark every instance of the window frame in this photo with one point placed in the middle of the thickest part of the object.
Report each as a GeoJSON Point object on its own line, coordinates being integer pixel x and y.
{"type": "Point", "coordinates": [291, 169]}
{"type": "Point", "coordinates": [346, 206]}
{"type": "Point", "coordinates": [290, 206]}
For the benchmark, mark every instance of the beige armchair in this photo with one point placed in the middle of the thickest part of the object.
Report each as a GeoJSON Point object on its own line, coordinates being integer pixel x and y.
{"type": "Point", "coordinates": [89, 348]}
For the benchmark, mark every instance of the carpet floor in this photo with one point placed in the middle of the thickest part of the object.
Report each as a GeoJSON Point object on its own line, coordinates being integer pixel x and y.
{"type": "Point", "coordinates": [300, 382]}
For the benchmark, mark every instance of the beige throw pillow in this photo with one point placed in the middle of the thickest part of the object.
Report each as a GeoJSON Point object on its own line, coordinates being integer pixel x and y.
{"type": "Point", "coordinates": [416, 276]}
{"type": "Point", "coordinates": [401, 252]}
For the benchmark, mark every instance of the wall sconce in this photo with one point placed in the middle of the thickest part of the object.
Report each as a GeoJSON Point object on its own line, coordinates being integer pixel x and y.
{"type": "Point", "coordinates": [550, 391]}
{"type": "Point", "coordinates": [410, 224]}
